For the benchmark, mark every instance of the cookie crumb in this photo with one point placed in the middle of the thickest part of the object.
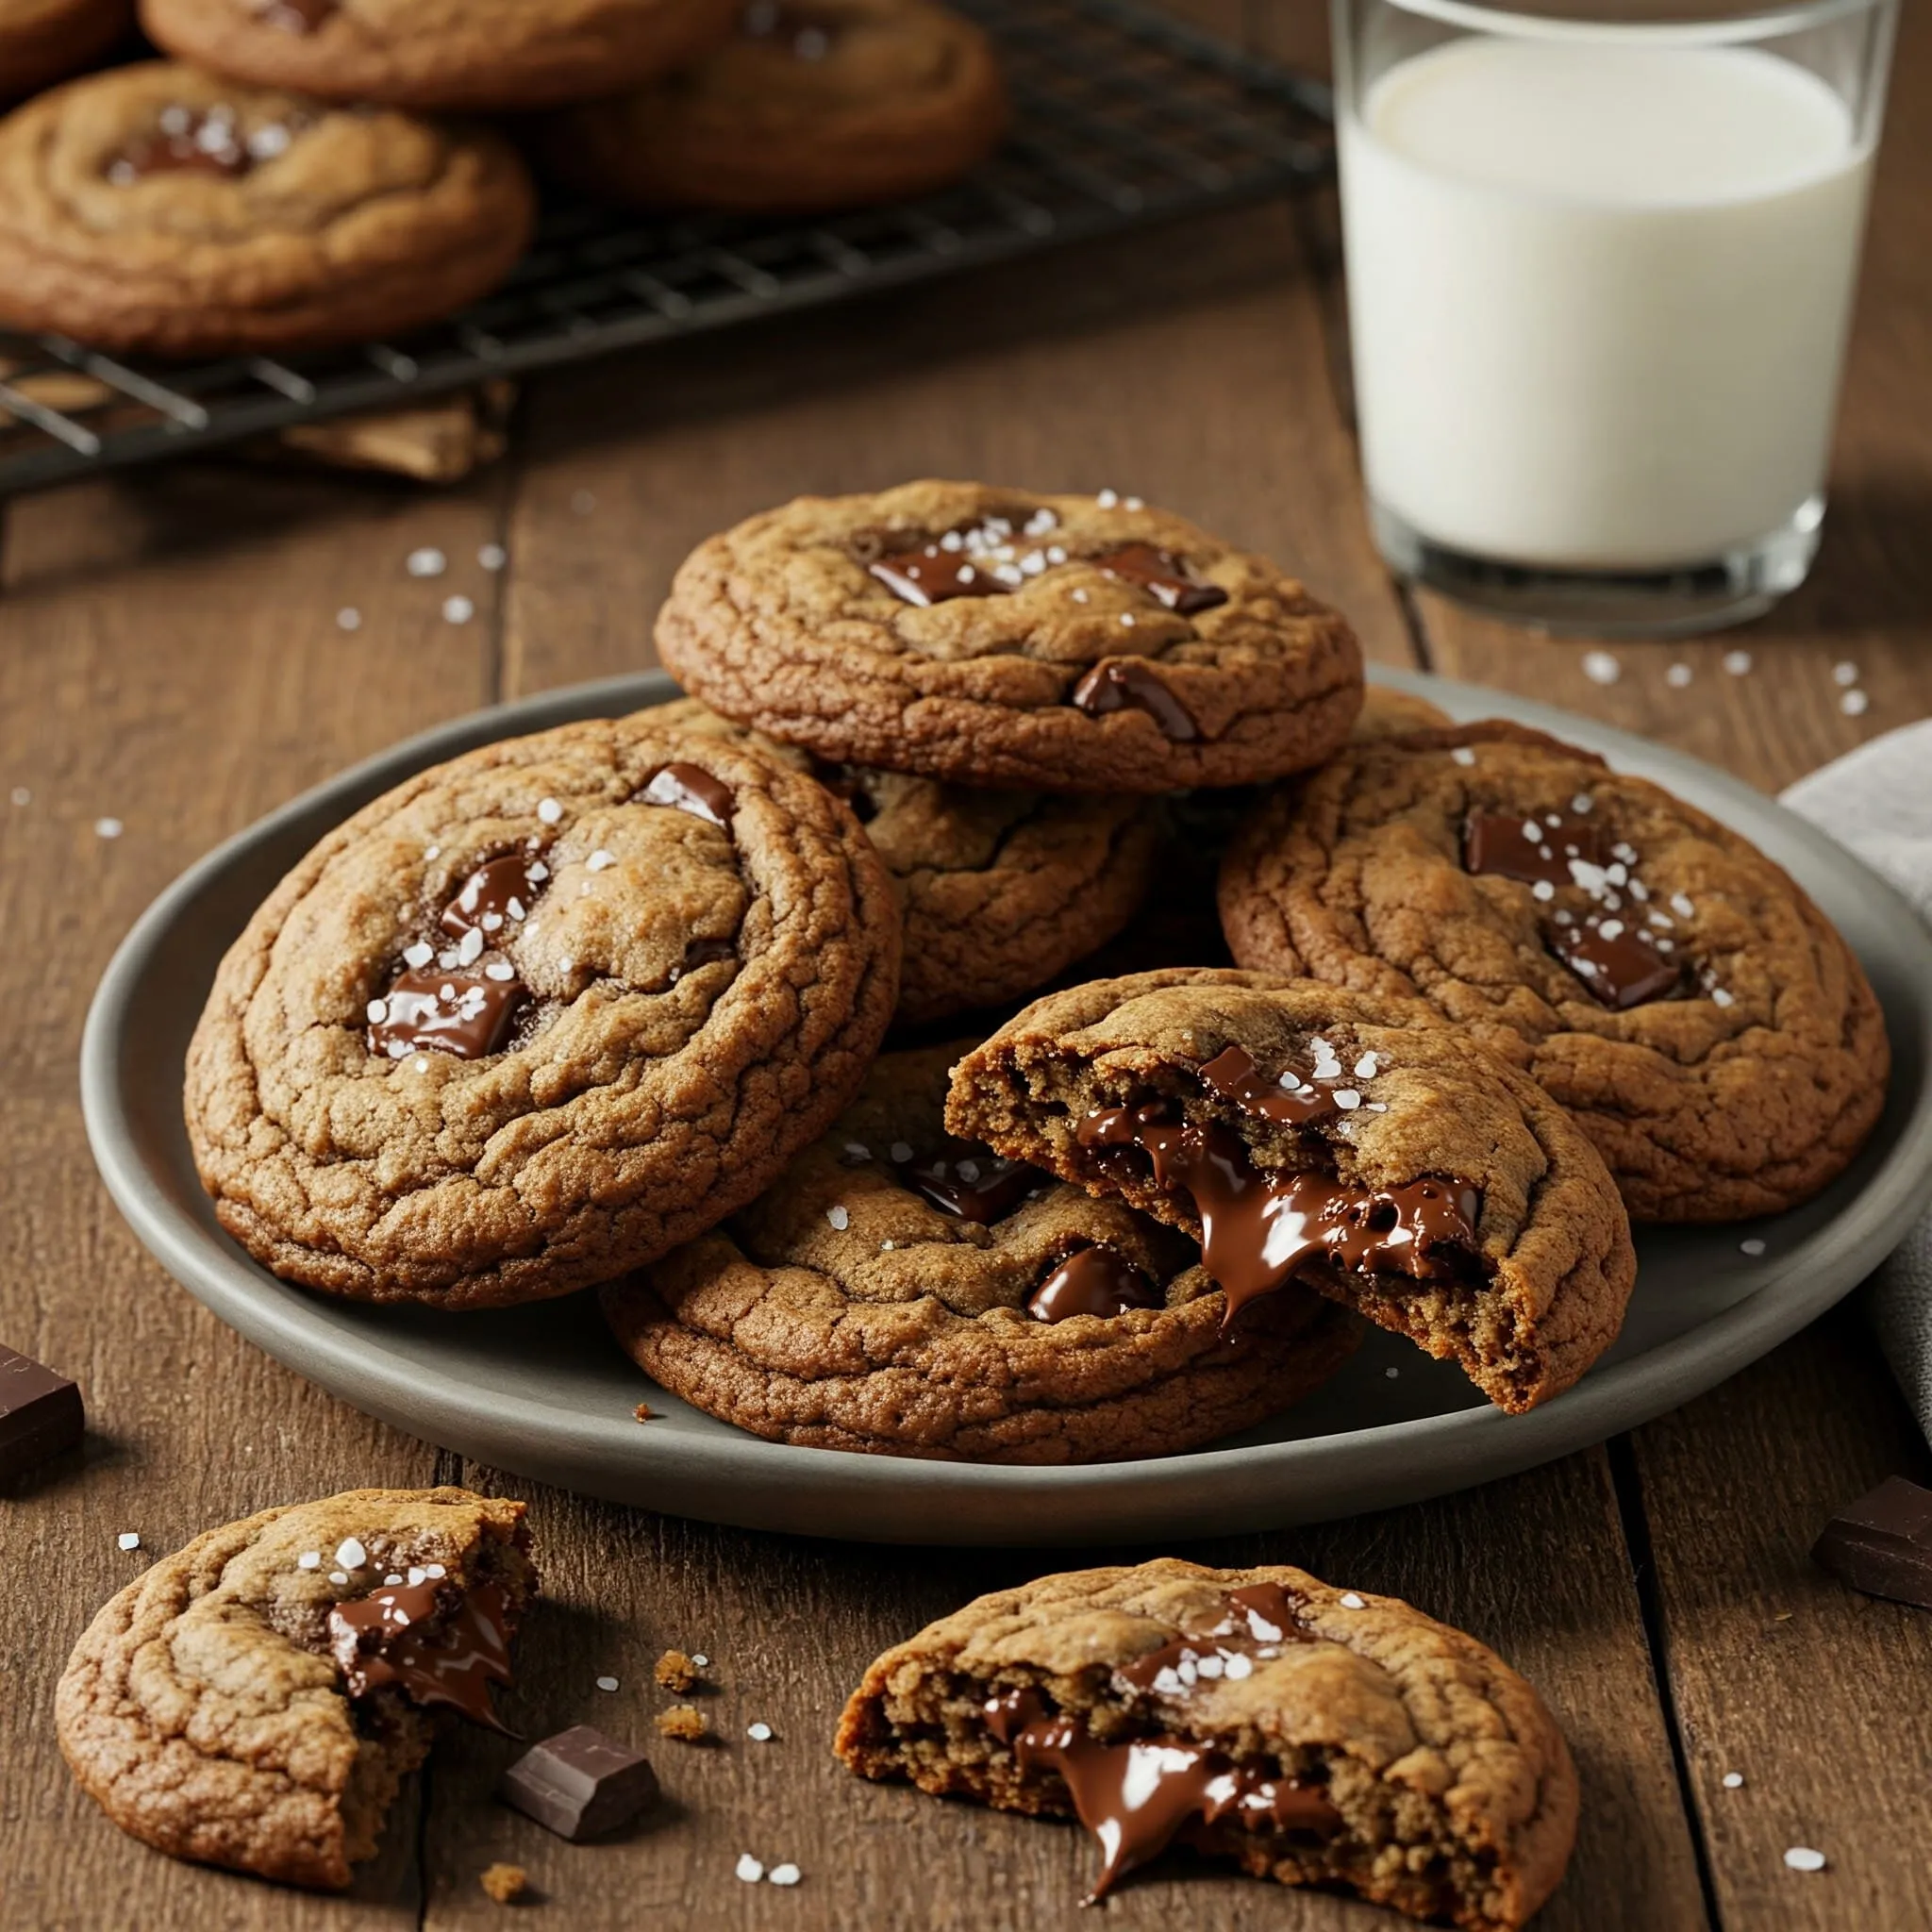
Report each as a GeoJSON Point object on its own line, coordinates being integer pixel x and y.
{"type": "Point", "coordinates": [676, 1672]}
{"type": "Point", "coordinates": [758, 1733]}
{"type": "Point", "coordinates": [644, 1411]}
{"type": "Point", "coordinates": [683, 1722]}
{"type": "Point", "coordinates": [129, 1540]}
{"type": "Point", "coordinates": [787, 1874]}
{"type": "Point", "coordinates": [506, 1884]}
{"type": "Point", "coordinates": [748, 1868]}
{"type": "Point", "coordinates": [1733, 1780]}
{"type": "Point", "coordinates": [1803, 1858]}
{"type": "Point", "coordinates": [606, 1683]}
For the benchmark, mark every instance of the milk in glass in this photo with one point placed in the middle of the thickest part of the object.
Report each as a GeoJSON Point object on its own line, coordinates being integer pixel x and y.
{"type": "Point", "coordinates": [1599, 294]}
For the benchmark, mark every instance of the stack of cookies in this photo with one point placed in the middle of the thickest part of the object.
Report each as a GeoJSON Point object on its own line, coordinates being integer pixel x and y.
{"type": "Point", "coordinates": [286, 180]}
{"type": "Point", "coordinates": [605, 1006]}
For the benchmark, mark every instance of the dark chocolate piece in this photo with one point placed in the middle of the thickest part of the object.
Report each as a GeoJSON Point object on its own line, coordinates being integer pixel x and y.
{"type": "Point", "coordinates": [933, 574]}
{"type": "Point", "coordinates": [186, 143]}
{"type": "Point", "coordinates": [1882, 1543]}
{"type": "Point", "coordinates": [692, 789]}
{"type": "Point", "coordinates": [494, 895]}
{"type": "Point", "coordinates": [971, 1181]}
{"type": "Point", "coordinates": [379, 1639]}
{"type": "Point", "coordinates": [1127, 684]}
{"type": "Point", "coordinates": [462, 1013]}
{"type": "Point", "coordinates": [579, 1784]}
{"type": "Point", "coordinates": [1536, 849]}
{"type": "Point", "coordinates": [1163, 577]}
{"type": "Point", "coordinates": [1617, 960]}
{"type": "Point", "coordinates": [40, 1414]}
{"type": "Point", "coordinates": [1099, 1280]}
{"type": "Point", "coordinates": [1255, 1621]}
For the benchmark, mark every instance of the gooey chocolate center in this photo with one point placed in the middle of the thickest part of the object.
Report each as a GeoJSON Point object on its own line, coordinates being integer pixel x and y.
{"type": "Point", "coordinates": [1138, 1795]}
{"type": "Point", "coordinates": [434, 1642]}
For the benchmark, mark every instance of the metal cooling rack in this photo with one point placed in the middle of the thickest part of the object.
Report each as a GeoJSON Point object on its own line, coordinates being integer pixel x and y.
{"type": "Point", "coordinates": [1123, 119]}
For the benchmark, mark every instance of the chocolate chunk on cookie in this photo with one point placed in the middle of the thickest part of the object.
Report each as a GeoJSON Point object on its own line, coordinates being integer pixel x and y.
{"type": "Point", "coordinates": [157, 208]}
{"type": "Point", "coordinates": [1314, 1736]}
{"type": "Point", "coordinates": [540, 1014]}
{"type": "Point", "coordinates": [1002, 636]}
{"type": "Point", "coordinates": [904, 1292]}
{"type": "Point", "coordinates": [257, 1699]}
{"type": "Point", "coordinates": [812, 105]}
{"type": "Point", "coordinates": [476, 56]}
{"type": "Point", "coordinates": [1001, 890]}
{"type": "Point", "coordinates": [1344, 1141]}
{"type": "Point", "coordinates": [44, 40]}
{"type": "Point", "coordinates": [1672, 987]}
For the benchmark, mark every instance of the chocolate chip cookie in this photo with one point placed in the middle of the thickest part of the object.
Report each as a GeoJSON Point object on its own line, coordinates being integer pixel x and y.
{"type": "Point", "coordinates": [256, 1699]}
{"type": "Point", "coordinates": [477, 56]}
{"type": "Point", "coordinates": [904, 1292]}
{"type": "Point", "coordinates": [156, 207]}
{"type": "Point", "coordinates": [1387, 713]}
{"type": "Point", "coordinates": [812, 105]}
{"type": "Point", "coordinates": [1349, 1142]}
{"type": "Point", "coordinates": [1314, 1736]}
{"type": "Point", "coordinates": [1000, 891]}
{"type": "Point", "coordinates": [1002, 636]}
{"type": "Point", "coordinates": [1664, 980]}
{"type": "Point", "coordinates": [42, 41]}
{"type": "Point", "coordinates": [539, 1015]}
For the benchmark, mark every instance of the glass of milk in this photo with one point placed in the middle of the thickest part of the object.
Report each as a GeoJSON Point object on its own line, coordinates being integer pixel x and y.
{"type": "Point", "coordinates": [1599, 280]}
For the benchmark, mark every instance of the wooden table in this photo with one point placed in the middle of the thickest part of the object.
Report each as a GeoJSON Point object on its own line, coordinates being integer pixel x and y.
{"type": "Point", "coordinates": [171, 658]}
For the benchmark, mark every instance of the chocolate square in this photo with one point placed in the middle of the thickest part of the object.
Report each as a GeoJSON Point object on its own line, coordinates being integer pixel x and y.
{"type": "Point", "coordinates": [1882, 1543]}
{"type": "Point", "coordinates": [579, 1784]}
{"type": "Point", "coordinates": [40, 1413]}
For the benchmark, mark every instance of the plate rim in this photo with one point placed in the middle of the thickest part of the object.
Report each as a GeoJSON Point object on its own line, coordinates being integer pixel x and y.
{"type": "Point", "coordinates": [741, 1479]}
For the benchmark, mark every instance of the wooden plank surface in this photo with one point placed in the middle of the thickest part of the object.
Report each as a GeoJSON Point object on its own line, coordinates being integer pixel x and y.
{"type": "Point", "coordinates": [170, 656]}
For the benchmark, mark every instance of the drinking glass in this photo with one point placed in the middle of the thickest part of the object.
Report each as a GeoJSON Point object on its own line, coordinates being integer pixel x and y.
{"type": "Point", "coordinates": [1600, 276]}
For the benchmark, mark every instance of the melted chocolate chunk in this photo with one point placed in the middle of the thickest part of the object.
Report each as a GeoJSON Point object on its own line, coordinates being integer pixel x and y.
{"type": "Point", "coordinates": [380, 1640]}
{"type": "Point", "coordinates": [186, 143]}
{"type": "Point", "coordinates": [1137, 1796]}
{"type": "Point", "coordinates": [1255, 1621]}
{"type": "Point", "coordinates": [1537, 851]}
{"type": "Point", "coordinates": [496, 894]}
{"type": "Point", "coordinates": [692, 789]}
{"type": "Point", "coordinates": [1618, 961]}
{"type": "Point", "coordinates": [971, 1181]}
{"type": "Point", "coordinates": [1127, 684]}
{"type": "Point", "coordinates": [1099, 1280]}
{"type": "Point", "coordinates": [701, 953]}
{"type": "Point", "coordinates": [1163, 577]}
{"type": "Point", "coordinates": [1256, 1229]}
{"type": "Point", "coordinates": [934, 574]}
{"type": "Point", "coordinates": [464, 1013]}
{"type": "Point", "coordinates": [1233, 1074]}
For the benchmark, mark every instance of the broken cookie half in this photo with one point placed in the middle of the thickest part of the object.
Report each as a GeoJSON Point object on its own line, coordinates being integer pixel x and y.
{"type": "Point", "coordinates": [257, 1699]}
{"type": "Point", "coordinates": [1315, 1736]}
{"type": "Point", "coordinates": [1357, 1144]}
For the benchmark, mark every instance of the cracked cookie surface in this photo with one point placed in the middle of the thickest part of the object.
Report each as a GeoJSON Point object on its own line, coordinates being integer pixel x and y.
{"type": "Point", "coordinates": [209, 1710]}
{"type": "Point", "coordinates": [1347, 1141]}
{"type": "Point", "coordinates": [1332, 1738]}
{"type": "Point", "coordinates": [1004, 637]}
{"type": "Point", "coordinates": [1750, 1063]}
{"type": "Point", "coordinates": [1000, 890]}
{"type": "Point", "coordinates": [156, 207]}
{"type": "Point", "coordinates": [901, 1294]}
{"type": "Point", "coordinates": [43, 41]}
{"type": "Point", "coordinates": [540, 1014]}
{"type": "Point", "coordinates": [476, 56]}
{"type": "Point", "coordinates": [832, 103]}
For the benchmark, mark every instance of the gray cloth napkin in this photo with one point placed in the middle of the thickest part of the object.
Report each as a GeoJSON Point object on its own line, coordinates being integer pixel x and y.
{"type": "Point", "coordinates": [1877, 801]}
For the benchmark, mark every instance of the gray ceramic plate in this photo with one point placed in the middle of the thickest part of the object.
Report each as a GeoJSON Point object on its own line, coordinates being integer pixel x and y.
{"type": "Point", "coordinates": [543, 1392]}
